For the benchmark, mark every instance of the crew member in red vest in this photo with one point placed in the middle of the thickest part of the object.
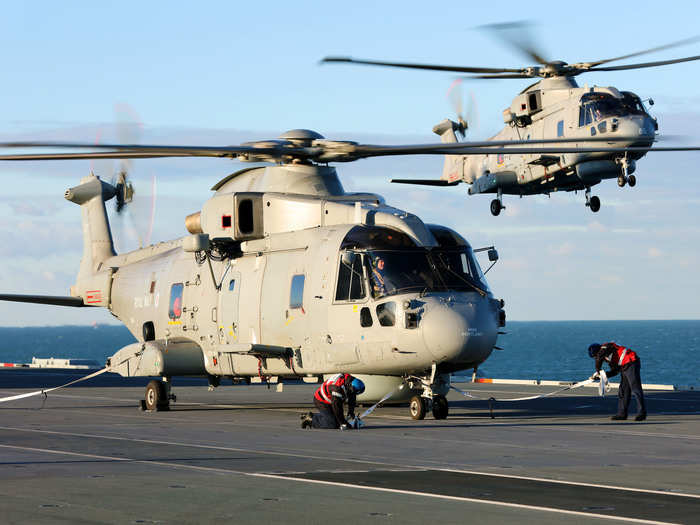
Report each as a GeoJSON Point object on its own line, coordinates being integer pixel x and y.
{"type": "Point", "coordinates": [330, 398]}
{"type": "Point", "coordinates": [626, 362]}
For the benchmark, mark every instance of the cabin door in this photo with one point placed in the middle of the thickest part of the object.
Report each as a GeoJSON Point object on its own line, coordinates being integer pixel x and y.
{"type": "Point", "coordinates": [228, 308]}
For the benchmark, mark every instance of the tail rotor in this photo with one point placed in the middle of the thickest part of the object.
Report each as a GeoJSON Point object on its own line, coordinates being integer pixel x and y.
{"type": "Point", "coordinates": [464, 107]}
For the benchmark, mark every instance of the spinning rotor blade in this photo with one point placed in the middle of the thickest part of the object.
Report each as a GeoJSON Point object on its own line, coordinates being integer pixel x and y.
{"type": "Point", "coordinates": [522, 75]}
{"type": "Point", "coordinates": [324, 151]}
{"type": "Point", "coordinates": [519, 36]}
{"type": "Point", "coordinates": [464, 108]}
{"type": "Point", "coordinates": [432, 67]}
{"type": "Point", "coordinates": [136, 151]}
{"type": "Point", "coordinates": [645, 64]}
{"type": "Point", "coordinates": [646, 51]}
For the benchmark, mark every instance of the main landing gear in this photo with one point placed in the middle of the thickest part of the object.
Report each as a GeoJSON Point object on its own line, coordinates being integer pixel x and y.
{"type": "Point", "coordinates": [158, 395]}
{"type": "Point", "coordinates": [592, 201]}
{"type": "Point", "coordinates": [497, 204]}
{"type": "Point", "coordinates": [432, 398]}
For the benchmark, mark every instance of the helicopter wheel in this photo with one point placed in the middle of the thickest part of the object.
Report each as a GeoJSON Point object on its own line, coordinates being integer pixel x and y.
{"type": "Point", "coordinates": [632, 181]}
{"type": "Point", "coordinates": [417, 407]}
{"type": "Point", "coordinates": [621, 181]}
{"type": "Point", "coordinates": [496, 207]}
{"type": "Point", "coordinates": [594, 203]}
{"type": "Point", "coordinates": [440, 407]}
{"type": "Point", "coordinates": [156, 396]}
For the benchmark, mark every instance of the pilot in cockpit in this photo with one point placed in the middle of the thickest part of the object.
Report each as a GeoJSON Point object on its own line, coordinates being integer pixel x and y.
{"type": "Point", "coordinates": [378, 277]}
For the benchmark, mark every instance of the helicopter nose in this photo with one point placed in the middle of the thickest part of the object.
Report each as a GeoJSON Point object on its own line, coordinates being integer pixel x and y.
{"type": "Point", "coordinates": [463, 332]}
{"type": "Point", "coordinates": [637, 126]}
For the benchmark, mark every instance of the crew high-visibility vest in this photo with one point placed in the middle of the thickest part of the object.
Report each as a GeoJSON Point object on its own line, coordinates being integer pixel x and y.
{"type": "Point", "coordinates": [623, 354]}
{"type": "Point", "coordinates": [324, 394]}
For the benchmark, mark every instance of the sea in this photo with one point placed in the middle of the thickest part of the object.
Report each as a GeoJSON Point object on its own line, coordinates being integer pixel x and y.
{"type": "Point", "coordinates": [548, 350]}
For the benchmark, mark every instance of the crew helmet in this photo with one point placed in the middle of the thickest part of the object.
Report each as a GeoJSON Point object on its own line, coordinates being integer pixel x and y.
{"type": "Point", "coordinates": [357, 385]}
{"type": "Point", "coordinates": [593, 349]}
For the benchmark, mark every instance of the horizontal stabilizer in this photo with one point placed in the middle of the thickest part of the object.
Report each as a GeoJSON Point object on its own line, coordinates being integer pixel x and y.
{"type": "Point", "coordinates": [426, 182]}
{"type": "Point", "coordinates": [57, 300]}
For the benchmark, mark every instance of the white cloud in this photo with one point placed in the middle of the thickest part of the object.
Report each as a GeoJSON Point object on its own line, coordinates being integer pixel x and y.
{"type": "Point", "coordinates": [654, 252]}
{"type": "Point", "coordinates": [564, 249]}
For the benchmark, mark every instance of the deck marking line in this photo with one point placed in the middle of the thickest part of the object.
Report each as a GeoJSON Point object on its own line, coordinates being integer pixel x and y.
{"type": "Point", "coordinates": [349, 485]}
{"type": "Point", "coordinates": [564, 482]}
{"type": "Point", "coordinates": [351, 460]}
{"type": "Point", "coordinates": [469, 500]}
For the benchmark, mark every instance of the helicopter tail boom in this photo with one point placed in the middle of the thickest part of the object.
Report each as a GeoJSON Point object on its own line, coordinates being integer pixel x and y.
{"type": "Point", "coordinates": [453, 169]}
{"type": "Point", "coordinates": [93, 284]}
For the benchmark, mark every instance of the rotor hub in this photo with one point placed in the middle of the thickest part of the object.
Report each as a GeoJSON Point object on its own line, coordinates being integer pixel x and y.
{"type": "Point", "coordinates": [301, 137]}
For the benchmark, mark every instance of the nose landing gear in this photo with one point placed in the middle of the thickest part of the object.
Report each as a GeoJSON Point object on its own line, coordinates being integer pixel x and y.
{"type": "Point", "coordinates": [431, 398]}
{"type": "Point", "coordinates": [626, 167]}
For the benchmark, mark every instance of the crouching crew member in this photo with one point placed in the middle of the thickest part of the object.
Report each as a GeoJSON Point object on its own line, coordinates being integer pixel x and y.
{"type": "Point", "coordinates": [626, 362]}
{"type": "Point", "coordinates": [330, 398]}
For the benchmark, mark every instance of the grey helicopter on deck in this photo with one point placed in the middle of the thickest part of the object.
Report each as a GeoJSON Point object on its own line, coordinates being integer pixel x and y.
{"type": "Point", "coordinates": [282, 274]}
{"type": "Point", "coordinates": [553, 107]}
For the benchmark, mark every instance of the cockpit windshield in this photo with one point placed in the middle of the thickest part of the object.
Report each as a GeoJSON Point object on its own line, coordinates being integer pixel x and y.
{"type": "Point", "coordinates": [599, 106]}
{"type": "Point", "coordinates": [436, 270]}
{"type": "Point", "coordinates": [390, 263]}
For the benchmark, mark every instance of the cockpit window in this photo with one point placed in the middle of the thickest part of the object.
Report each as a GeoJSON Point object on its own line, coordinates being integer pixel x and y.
{"type": "Point", "coordinates": [633, 104]}
{"type": "Point", "coordinates": [351, 280]}
{"type": "Point", "coordinates": [598, 106]}
{"type": "Point", "coordinates": [440, 269]}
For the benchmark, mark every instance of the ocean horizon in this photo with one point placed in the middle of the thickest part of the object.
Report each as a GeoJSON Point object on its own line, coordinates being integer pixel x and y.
{"type": "Point", "coordinates": [554, 350]}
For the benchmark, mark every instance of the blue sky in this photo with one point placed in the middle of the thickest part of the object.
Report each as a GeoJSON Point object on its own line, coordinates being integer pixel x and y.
{"type": "Point", "coordinates": [222, 73]}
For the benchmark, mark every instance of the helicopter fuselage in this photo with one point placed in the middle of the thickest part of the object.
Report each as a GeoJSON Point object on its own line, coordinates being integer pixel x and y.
{"type": "Point", "coordinates": [288, 285]}
{"type": "Point", "coordinates": [555, 108]}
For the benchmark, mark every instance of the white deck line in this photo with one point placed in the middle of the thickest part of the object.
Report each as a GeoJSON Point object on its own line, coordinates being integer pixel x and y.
{"type": "Point", "coordinates": [468, 500]}
{"type": "Point", "coordinates": [348, 485]}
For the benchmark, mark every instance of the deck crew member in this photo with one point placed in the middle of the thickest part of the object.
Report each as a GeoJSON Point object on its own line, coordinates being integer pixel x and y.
{"type": "Point", "coordinates": [626, 362]}
{"type": "Point", "coordinates": [330, 398]}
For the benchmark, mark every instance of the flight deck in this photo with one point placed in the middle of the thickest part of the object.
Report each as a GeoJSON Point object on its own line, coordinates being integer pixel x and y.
{"type": "Point", "coordinates": [88, 454]}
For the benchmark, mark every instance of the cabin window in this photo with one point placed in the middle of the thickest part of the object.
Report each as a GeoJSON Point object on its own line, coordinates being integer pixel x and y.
{"type": "Point", "coordinates": [386, 313]}
{"type": "Point", "coordinates": [296, 294]}
{"type": "Point", "coordinates": [231, 285]}
{"type": "Point", "coordinates": [175, 309]}
{"type": "Point", "coordinates": [351, 282]}
{"type": "Point", "coordinates": [532, 101]}
{"type": "Point", "coordinates": [365, 317]}
{"type": "Point", "coordinates": [560, 128]}
{"type": "Point", "coordinates": [246, 223]}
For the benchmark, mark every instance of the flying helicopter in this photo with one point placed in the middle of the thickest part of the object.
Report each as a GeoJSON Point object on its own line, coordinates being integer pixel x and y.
{"type": "Point", "coordinates": [283, 275]}
{"type": "Point", "coordinates": [553, 107]}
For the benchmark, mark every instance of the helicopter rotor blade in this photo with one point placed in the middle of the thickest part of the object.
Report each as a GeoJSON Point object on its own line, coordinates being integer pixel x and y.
{"type": "Point", "coordinates": [485, 77]}
{"type": "Point", "coordinates": [431, 67]}
{"type": "Point", "coordinates": [645, 64]}
{"type": "Point", "coordinates": [685, 41]}
{"type": "Point", "coordinates": [519, 36]}
{"type": "Point", "coordinates": [324, 151]}
{"type": "Point", "coordinates": [455, 96]}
